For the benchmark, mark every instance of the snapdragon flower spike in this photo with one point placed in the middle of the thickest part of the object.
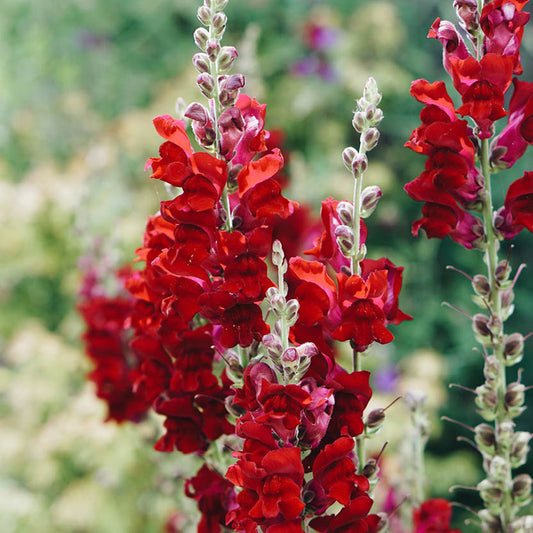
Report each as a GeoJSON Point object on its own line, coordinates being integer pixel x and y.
{"type": "Point", "coordinates": [116, 366]}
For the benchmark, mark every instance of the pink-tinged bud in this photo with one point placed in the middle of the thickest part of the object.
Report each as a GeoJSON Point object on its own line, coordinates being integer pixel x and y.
{"type": "Point", "coordinates": [467, 11]}
{"type": "Point", "coordinates": [358, 121]}
{"type": "Point", "coordinates": [359, 165]}
{"type": "Point", "coordinates": [345, 239]}
{"type": "Point", "coordinates": [201, 36]}
{"type": "Point", "coordinates": [290, 355]}
{"type": "Point", "coordinates": [481, 285]}
{"type": "Point", "coordinates": [226, 58]}
{"type": "Point", "coordinates": [201, 62]}
{"type": "Point", "coordinates": [513, 348]}
{"type": "Point", "coordinates": [231, 83]}
{"type": "Point", "coordinates": [307, 350]}
{"type": "Point", "coordinates": [204, 15]}
{"type": "Point", "coordinates": [348, 155]}
{"type": "Point", "coordinates": [206, 83]}
{"type": "Point", "coordinates": [345, 212]}
{"type": "Point", "coordinates": [371, 138]}
{"type": "Point", "coordinates": [198, 112]}
{"type": "Point", "coordinates": [219, 23]}
{"type": "Point", "coordinates": [212, 49]}
{"type": "Point", "coordinates": [369, 200]}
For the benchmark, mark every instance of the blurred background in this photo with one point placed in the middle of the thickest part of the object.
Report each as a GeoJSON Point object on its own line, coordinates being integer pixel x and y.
{"type": "Point", "coordinates": [80, 82]}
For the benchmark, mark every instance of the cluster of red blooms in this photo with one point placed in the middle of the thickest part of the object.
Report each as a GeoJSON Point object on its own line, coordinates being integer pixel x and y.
{"type": "Point", "coordinates": [199, 300]}
{"type": "Point", "coordinates": [451, 186]}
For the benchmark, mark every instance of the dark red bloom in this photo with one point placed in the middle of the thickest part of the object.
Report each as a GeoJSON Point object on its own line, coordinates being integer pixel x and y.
{"type": "Point", "coordinates": [274, 485]}
{"type": "Point", "coordinates": [517, 212]}
{"type": "Point", "coordinates": [352, 394]}
{"type": "Point", "coordinates": [214, 495]}
{"type": "Point", "coordinates": [433, 516]}
{"type": "Point", "coordinates": [334, 472]}
{"type": "Point", "coordinates": [353, 518]}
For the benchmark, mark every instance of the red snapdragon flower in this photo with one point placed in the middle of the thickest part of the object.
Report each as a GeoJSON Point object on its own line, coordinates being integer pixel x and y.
{"type": "Point", "coordinates": [215, 495]}
{"type": "Point", "coordinates": [518, 134]}
{"type": "Point", "coordinates": [517, 212]}
{"type": "Point", "coordinates": [433, 516]}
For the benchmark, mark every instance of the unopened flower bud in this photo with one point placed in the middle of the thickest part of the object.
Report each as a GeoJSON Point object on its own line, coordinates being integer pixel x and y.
{"type": "Point", "coordinates": [226, 57]}
{"type": "Point", "coordinates": [521, 489]}
{"type": "Point", "coordinates": [514, 399]}
{"type": "Point", "coordinates": [491, 369]}
{"type": "Point", "coordinates": [290, 355]}
{"type": "Point", "coordinates": [485, 438]}
{"type": "Point", "coordinates": [520, 448]}
{"type": "Point", "coordinates": [348, 155]}
{"type": "Point", "coordinates": [201, 36]}
{"type": "Point", "coordinates": [201, 62]}
{"type": "Point", "coordinates": [345, 212]}
{"type": "Point", "coordinates": [481, 285]}
{"type": "Point", "coordinates": [524, 524]}
{"type": "Point", "coordinates": [480, 325]}
{"type": "Point", "coordinates": [358, 121]}
{"type": "Point", "coordinates": [505, 434]}
{"type": "Point", "coordinates": [467, 11]}
{"type": "Point", "coordinates": [204, 15]}
{"type": "Point", "coordinates": [503, 271]}
{"type": "Point", "coordinates": [498, 468]}
{"type": "Point", "coordinates": [219, 23]}
{"type": "Point", "coordinates": [369, 200]}
{"type": "Point", "coordinates": [487, 401]}
{"type": "Point", "coordinates": [513, 348]}
{"type": "Point", "coordinates": [291, 311]}
{"type": "Point", "coordinates": [206, 83]}
{"type": "Point", "coordinates": [359, 165]}
{"type": "Point", "coordinates": [489, 522]}
{"type": "Point", "coordinates": [491, 493]}
{"type": "Point", "coordinates": [220, 4]}
{"type": "Point", "coordinates": [212, 49]}
{"type": "Point", "coordinates": [371, 469]}
{"type": "Point", "coordinates": [375, 419]}
{"type": "Point", "coordinates": [370, 92]}
{"type": "Point", "coordinates": [198, 112]}
{"type": "Point", "coordinates": [371, 138]}
{"type": "Point", "coordinates": [345, 239]}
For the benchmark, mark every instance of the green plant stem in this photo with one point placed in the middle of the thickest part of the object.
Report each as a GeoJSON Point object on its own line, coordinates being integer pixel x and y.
{"type": "Point", "coordinates": [491, 259]}
{"type": "Point", "coordinates": [215, 112]}
{"type": "Point", "coordinates": [357, 191]}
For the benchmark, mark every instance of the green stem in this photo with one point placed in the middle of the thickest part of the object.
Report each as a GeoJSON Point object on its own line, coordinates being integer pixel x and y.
{"type": "Point", "coordinates": [215, 112]}
{"type": "Point", "coordinates": [357, 191]}
{"type": "Point", "coordinates": [491, 258]}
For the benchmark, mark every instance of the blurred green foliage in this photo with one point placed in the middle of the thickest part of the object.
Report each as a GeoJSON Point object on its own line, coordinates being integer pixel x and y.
{"type": "Point", "coordinates": [79, 83]}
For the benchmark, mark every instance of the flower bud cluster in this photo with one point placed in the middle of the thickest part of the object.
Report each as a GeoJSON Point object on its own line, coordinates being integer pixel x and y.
{"type": "Point", "coordinates": [213, 63]}
{"type": "Point", "coordinates": [290, 362]}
